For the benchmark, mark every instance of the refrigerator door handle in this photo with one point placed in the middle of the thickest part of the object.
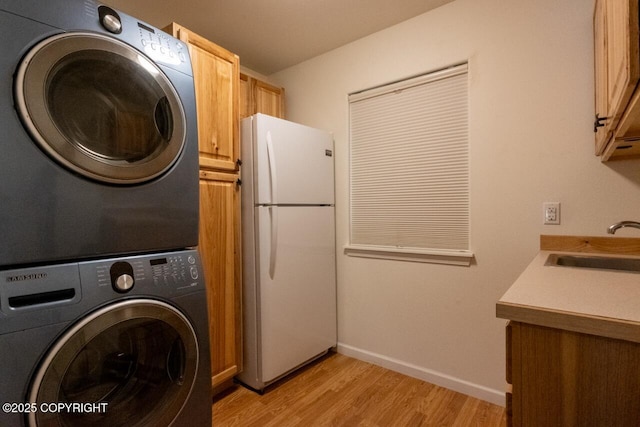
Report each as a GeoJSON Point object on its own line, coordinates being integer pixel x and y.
{"type": "Point", "coordinates": [273, 211]}
{"type": "Point", "coordinates": [272, 170]}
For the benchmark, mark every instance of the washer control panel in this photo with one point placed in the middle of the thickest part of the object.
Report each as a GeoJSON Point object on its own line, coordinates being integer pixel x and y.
{"type": "Point", "coordinates": [174, 270]}
{"type": "Point", "coordinates": [69, 289]}
{"type": "Point", "coordinates": [166, 273]}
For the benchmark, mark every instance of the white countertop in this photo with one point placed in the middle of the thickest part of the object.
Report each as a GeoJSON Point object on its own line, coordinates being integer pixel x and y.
{"type": "Point", "coordinates": [599, 302]}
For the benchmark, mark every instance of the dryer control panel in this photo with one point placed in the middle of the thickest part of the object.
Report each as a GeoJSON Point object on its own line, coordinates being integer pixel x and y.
{"type": "Point", "coordinates": [161, 47]}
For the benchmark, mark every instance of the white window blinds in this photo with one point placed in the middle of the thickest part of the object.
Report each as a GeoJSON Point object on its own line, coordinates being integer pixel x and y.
{"type": "Point", "coordinates": [409, 171]}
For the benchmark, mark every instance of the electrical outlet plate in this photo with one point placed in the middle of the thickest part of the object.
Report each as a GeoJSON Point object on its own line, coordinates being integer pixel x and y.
{"type": "Point", "coordinates": [551, 213]}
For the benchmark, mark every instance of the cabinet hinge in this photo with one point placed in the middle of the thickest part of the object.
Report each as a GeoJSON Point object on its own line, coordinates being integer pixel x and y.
{"type": "Point", "coordinates": [598, 123]}
{"type": "Point", "coordinates": [238, 182]}
{"type": "Point", "coordinates": [238, 162]}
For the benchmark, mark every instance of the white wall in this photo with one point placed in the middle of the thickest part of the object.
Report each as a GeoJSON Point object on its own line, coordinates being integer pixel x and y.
{"type": "Point", "coordinates": [531, 139]}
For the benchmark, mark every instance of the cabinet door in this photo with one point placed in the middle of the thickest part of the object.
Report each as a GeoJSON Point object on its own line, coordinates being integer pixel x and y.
{"type": "Point", "coordinates": [622, 47]}
{"type": "Point", "coordinates": [269, 99]}
{"type": "Point", "coordinates": [246, 96]}
{"type": "Point", "coordinates": [603, 134]}
{"type": "Point", "coordinates": [617, 61]}
{"type": "Point", "coordinates": [216, 74]}
{"type": "Point", "coordinates": [257, 96]}
{"type": "Point", "coordinates": [219, 247]}
{"type": "Point", "coordinates": [568, 379]}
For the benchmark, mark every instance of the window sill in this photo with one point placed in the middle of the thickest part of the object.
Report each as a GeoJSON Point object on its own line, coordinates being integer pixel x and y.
{"type": "Point", "coordinates": [433, 256]}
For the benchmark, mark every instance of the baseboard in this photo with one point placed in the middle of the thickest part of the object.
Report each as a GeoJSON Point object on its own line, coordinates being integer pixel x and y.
{"type": "Point", "coordinates": [456, 384]}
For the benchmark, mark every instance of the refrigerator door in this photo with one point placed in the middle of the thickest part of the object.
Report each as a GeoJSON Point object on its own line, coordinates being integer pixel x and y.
{"type": "Point", "coordinates": [297, 286]}
{"type": "Point", "coordinates": [293, 163]}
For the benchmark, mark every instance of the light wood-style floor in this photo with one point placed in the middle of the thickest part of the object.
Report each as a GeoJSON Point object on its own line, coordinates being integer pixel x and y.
{"type": "Point", "coordinates": [341, 391]}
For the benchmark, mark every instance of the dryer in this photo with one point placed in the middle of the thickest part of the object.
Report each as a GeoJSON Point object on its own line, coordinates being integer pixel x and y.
{"type": "Point", "coordinates": [99, 135]}
{"type": "Point", "coordinates": [109, 342]}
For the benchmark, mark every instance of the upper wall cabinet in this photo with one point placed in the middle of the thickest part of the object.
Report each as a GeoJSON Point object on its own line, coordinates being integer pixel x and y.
{"type": "Point", "coordinates": [257, 96]}
{"type": "Point", "coordinates": [216, 74]}
{"type": "Point", "coordinates": [617, 71]}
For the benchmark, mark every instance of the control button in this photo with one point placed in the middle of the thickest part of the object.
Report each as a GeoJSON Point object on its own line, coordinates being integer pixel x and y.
{"type": "Point", "coordinates": [194, 272]}
{"type": "Point", "coordinates": [124, 283]}
{"type": "Point", "coordinates": [191, 259]}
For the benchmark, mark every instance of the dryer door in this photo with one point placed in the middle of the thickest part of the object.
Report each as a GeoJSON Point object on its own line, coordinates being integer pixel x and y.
{"type": "Point", "coordinates": [132, 363]}
{"type": "Point", "coordinates": [100, 107]}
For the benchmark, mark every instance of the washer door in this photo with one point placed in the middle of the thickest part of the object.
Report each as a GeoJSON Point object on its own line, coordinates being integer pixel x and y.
{"type": "Point", "coordinates": [100, 107]}
{"type": "Point", "coordinates": [138, 358]}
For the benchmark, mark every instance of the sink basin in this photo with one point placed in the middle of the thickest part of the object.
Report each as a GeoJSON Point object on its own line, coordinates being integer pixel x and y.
{"type": "Point", "coordinates": [596, 262]}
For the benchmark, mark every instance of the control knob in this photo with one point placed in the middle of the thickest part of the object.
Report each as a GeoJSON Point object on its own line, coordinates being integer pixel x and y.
{"type": "Point", "coordinates": [110, 19]}
{"type": "Point", "coordinates": [121, 277]}
{"type": "Point", "coordinates": [123, 283]}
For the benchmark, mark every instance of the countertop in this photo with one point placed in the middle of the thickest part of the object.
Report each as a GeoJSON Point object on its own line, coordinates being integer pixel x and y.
{"type": "Point", "coordinates": [599, 302]}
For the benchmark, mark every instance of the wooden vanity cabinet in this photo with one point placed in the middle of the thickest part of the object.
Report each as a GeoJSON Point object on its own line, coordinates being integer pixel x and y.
{"type": "Point", "coordinates": [617, 73]}
{"type": "Point", "coordinates": [564, 378]}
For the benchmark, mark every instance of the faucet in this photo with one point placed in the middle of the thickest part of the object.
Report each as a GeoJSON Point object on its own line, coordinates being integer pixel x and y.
{"type": "Point", "coordinates": [613, 228]}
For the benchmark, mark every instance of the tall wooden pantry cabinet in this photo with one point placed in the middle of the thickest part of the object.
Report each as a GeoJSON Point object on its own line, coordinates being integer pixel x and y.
{"type": "Point", "coordinates": [217, 84]}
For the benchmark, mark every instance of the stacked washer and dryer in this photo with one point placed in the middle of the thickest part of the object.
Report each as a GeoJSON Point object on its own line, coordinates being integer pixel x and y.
{"type": "Point", "coordinates": [103, 317]}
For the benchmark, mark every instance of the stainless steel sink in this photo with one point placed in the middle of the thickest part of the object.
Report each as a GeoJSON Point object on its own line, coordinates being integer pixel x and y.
{"type": "Point", "coordinates": [596, 262]}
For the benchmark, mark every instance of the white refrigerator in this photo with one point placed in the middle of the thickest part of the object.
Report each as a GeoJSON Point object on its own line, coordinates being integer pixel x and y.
{"type": "Point", "coordinates": [288, 226]}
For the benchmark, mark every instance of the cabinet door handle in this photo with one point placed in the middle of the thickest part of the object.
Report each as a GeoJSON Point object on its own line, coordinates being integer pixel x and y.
{"type": "Point", "coordinates": [598, 123]}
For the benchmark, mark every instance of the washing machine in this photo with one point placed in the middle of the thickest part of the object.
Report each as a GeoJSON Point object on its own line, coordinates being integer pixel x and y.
{"type": "Point", "coordinates": [99, 135]}
{"type": "Point", "coordinates": [111, 342]}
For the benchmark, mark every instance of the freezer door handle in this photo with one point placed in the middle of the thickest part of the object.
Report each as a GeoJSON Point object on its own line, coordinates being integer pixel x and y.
{"type": "Point", "coordinates": [273, 214]}
{"type": "Point", "coordinates": [272, 169]}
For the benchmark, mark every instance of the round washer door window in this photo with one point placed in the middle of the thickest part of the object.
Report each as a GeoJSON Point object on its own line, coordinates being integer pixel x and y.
{"type": "Point", "coordinates": [134, 361]}
{"type": "Point", "coordinates": [100, 107]}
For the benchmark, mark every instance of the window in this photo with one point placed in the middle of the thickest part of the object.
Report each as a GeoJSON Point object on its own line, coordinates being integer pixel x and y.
{"type": "Point", "coordinates": [409, 169]}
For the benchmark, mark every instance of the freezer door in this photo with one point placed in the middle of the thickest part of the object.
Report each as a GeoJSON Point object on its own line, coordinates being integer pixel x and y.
{"type": "Point", "coordinates": [297, 286]}
{"type": "Point", "coordinates": [293, 163]}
